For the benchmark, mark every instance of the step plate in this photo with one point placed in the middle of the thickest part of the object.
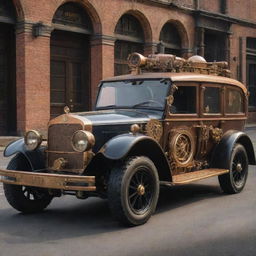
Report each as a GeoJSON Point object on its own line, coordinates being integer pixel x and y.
{"type": "Point", "coordinates": [197, 175]}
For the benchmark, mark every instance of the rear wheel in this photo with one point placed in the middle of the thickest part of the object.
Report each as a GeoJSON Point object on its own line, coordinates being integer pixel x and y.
{"type": "Point", "coordinates": [133, 191]}
{"type": "Point", "coordinates": [234, 181]}
{"type": "Point", "coordinates": [24, 198]}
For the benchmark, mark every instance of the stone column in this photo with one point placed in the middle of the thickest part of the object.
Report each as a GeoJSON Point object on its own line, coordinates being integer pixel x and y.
{"type": "Point", "coordinates": [102, 61]}
{"type": "Point", "coordinates": [32, 77]}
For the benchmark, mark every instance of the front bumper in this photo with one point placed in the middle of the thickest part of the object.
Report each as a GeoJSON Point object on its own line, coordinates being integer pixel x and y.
{"type": "Point", "coordinates": [48, 180]}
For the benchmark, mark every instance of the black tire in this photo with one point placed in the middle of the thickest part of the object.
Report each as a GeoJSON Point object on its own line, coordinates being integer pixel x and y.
{"type": "Point", "coordinates": [24, 198]}
{"type": "Point", "coordinates": [133, 191]}
{"type": "Point", "coordinates": [234, 181]}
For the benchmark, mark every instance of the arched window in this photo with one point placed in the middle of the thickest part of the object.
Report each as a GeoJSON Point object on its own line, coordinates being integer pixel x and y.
{"type": "Point", "coordinates": [70, 59]}
{"type": "Point", "coordinates": [73, 15]}
{"type": "Point", "coordinates": [171, 39]}
{"type": "Point", "coordinates": [130, 38]}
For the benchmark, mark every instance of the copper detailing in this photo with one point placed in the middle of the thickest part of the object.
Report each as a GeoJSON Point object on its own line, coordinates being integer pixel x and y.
{"type": "Point", "coordinates": [154, 129]}
{"type": "Point", "coordinates": [171, 63]}
{"type": "Point", "coordinates": [141, 190]}
{"type": "Point", "coordinates": [203, 139]}
{"type": "Point", "coordinates": [181, 148]}
{"type": "Point", "coordinates": [59, 137]}
{"type": "Point", "coordinates": [60, 146]}
{"type": "Point", "coordinates": [135, 128]}
{"type": "Point", "coordinates": [66, 110]}
{"type": "Point", "coordinates": [59, 163]}
{"type": "Point", "coordinates": [197, 175]}
{"type": "Point", "coordinates": [47, 180]}
{"type": "Point", "coordinates": [216, 134]}
{"type": "Point", "coordinates": [74, 161]}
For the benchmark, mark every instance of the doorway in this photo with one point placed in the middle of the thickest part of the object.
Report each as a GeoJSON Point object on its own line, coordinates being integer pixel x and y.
{"type": "Point", "coordinates": [70, 72]}
{"type": "Point", "coordinates": [7, 81]}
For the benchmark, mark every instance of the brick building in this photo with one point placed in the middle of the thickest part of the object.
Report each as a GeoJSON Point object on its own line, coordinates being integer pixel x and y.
{"type": "Point", "coordinates": [54, 52]}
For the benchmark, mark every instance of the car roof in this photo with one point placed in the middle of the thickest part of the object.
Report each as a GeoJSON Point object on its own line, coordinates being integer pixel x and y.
{"type": "Point", "coordinates": [181, 77]}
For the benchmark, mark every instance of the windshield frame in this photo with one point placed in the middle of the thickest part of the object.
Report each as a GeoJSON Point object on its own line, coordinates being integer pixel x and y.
{"type": "Point", "coordinates": [133, 80]}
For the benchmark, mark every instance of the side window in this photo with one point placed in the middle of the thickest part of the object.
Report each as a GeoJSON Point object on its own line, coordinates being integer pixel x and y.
{"type": "Point", "coordinates": [184, 100]}
{"type": "Point", "coordinates": [234, 102]}
{"type": "Point", "coordinates": [212, 100]}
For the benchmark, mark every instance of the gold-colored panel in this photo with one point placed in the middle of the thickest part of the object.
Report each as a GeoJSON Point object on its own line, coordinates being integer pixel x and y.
{"type": "Point", "coordinates": [197, 175]}
{"type": "Point", "coordinates": [48, 180]}
{"type": "Point", "coordinates": [154, 129]}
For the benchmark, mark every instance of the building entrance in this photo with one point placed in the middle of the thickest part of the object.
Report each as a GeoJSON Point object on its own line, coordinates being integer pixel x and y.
{"type": "Point", "coordinates": [70, 69]}
{"type": "Point", "coordinates": [7, 81]}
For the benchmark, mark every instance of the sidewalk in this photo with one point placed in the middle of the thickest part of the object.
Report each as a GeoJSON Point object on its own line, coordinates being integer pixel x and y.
{"type": "Point", "coordinates": [5, 140]}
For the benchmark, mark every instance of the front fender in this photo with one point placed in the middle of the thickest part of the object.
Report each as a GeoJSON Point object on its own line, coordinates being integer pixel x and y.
{"type": "Point", "coordinates": [126, 145]}
{"type": "Point", "coordinates": [222, 153]}
{"type": "Point", "coordinates": [35, 157]}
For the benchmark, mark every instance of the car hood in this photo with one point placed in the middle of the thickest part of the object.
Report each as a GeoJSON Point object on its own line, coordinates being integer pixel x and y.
{"type": "Point", "coordinates": [115, 117]}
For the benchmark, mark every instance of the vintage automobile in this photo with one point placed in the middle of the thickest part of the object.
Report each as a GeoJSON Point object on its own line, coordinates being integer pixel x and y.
{"type": "Point", "coordinates": [171, 121]}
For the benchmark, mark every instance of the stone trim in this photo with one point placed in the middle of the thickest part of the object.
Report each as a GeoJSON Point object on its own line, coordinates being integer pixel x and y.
{"type": "Point", "coordinates": [99, 39]}
{"type": "Point", "coordinates": [27, 27]}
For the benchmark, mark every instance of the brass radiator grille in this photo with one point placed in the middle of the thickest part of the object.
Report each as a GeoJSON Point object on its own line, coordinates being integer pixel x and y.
{"type": "Point", "coordinates": [59, 146]}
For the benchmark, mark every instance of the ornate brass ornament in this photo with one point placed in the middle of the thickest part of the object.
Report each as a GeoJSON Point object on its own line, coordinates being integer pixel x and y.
{"type": "Point", "coordinates": [66, 110]}
{"type": "Point", "coordinates": [135, 128]}
{"type": "Point", "coordinates": [216, 134]}
{"type": "Point", "coordinates": [154, 129]}
{"type": "Point", "coordinates": [181, 148]}
{"type": "Point", "coordinates": [170, 100]}
{"type": "Point", "coordinates": [59, 164]}
{"type": "Point", "coordinates": [171, 63]}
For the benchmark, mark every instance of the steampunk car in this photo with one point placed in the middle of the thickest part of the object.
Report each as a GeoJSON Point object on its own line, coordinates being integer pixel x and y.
{"type": "Point", "coordinates": [171, 121]}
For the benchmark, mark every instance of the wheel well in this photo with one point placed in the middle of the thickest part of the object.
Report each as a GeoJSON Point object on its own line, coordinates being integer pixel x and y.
{"type": "Point", "coordinates": [150, 149]}
{"type": "Point", "coordinates": [245, 141]}
{"type": "Point", "coordinates": [100, 165]}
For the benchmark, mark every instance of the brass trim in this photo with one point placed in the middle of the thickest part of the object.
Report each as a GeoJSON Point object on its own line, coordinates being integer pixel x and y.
{"type": "Point", "coordinates": [154, 129]}
{"type": "Point", "coordinates": [185, 178]}
{"type": "Point", "coordinates": [48, 180]}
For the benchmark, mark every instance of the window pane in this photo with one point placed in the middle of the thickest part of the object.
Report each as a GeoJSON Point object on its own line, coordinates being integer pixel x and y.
{"type": "Point", "coordinates": [234, 101]}
{"type": "Point", "coordinates": [184, 100]}
{"type": "Point", "coordinates": [212, 100]}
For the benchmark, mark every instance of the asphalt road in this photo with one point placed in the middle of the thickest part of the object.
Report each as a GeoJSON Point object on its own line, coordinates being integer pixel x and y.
{"type": "Point", "coordinates": [196, 219]}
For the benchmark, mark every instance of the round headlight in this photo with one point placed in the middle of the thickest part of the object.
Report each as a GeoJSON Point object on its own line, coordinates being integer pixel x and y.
{"type": "Point", "coordinates": [33, 140]}
{"type": "Point", "coordinates": [82, 141]}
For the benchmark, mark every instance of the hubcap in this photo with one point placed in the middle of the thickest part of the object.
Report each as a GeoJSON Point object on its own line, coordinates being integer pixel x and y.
{"type": "Point", "coordinates": [239, 167]}
{"type": "Point", "coordinates": [141, 190]}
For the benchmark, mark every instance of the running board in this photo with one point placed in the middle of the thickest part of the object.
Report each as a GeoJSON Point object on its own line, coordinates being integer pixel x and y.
{"type": "Point", "coordinates": [188, 177]}
{"type": "Point", "coordinates": [197, 175]}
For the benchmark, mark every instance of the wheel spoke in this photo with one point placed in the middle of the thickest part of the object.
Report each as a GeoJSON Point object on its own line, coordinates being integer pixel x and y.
{"type": "Point", "coordinates": [133, 194]}
{"type": "Point", "coordinates": [134, 200]}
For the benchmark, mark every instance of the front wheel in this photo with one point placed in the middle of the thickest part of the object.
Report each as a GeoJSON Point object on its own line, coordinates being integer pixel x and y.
{"type": "Point", "coordinates": [133, 191]}
{"type": "Point", "coordinates": [24, 198]}
{"type": "Point", "coordinates": [234, 181]}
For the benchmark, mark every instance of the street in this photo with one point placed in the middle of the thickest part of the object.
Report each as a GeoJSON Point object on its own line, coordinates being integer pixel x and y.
{"type": "Point", "coordinates": [196, 219]}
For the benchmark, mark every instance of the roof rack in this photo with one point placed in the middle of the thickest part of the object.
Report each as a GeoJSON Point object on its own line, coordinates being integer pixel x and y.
{"type": "Point", "coordinates": [171, 63]}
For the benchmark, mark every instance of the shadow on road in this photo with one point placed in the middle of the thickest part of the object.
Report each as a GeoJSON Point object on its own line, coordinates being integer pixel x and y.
{"type": "Point", "coordinates": [71, 218]}
{"type": "Point", "coordinates": [171, 198]}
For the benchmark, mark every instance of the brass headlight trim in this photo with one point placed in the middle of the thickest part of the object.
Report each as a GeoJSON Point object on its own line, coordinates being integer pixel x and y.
{"type": "Point", "coordinates": [37, 136]}
{"type": "Point", "coordinates": [88, 136]}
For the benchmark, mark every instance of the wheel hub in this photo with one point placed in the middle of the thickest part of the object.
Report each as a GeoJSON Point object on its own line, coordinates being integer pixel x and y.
{"type": "Point", "coordinates": [141, 190]}
{"type": "Point", "coordinates": [239, 167]}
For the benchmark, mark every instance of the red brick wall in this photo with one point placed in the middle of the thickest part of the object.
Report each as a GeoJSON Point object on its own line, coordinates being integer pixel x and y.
{"type": "Point", "coordinates": [33, 54]}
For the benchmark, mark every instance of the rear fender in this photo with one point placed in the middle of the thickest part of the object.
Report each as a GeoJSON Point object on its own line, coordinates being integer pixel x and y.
{"type": "Point", "coordinates": [35, 158]}
{"type": "Point", "coordinates": [222, 153]}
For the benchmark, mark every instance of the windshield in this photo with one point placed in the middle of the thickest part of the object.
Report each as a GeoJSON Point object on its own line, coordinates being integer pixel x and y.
{"type": "Point", "coordinates": [148, 94]}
